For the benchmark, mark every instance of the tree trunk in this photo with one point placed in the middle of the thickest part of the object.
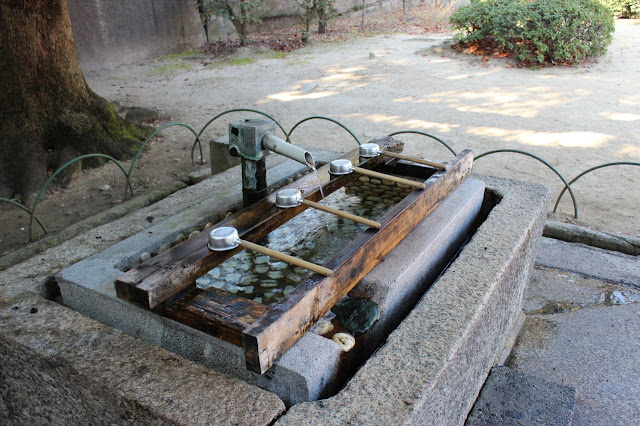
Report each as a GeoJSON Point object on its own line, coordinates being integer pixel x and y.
{"type": "Point", "coordinates": [322, 7]}
{"type": "Point", "coordinates": [239, 21]}
{"type": "Point", "coordinates": [48, 114]}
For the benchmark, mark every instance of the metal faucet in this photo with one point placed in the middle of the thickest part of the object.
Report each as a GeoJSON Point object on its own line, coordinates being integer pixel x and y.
{"type": "Point", "coordinates": [252, 140]}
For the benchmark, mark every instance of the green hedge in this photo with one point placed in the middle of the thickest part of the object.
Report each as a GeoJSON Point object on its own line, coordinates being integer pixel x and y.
{"type": "Point", "coordinates": [538, 31]}
{"type": "Point", "coordinates": [624, 8]}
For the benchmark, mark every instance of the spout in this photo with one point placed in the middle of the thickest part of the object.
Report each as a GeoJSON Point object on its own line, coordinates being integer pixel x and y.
{"type": "Point", "coordinates": [279, 146]}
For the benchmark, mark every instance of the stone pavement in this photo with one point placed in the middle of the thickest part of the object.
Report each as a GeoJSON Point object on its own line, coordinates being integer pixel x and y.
{"type": "Point", "coordinates": [581, 332]}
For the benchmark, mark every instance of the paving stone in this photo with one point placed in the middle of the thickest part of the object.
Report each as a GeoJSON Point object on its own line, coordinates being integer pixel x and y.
{"type": "Point", "coordinates": [582, 334]}
{"type": "Point", "coordinates": [509, 397]}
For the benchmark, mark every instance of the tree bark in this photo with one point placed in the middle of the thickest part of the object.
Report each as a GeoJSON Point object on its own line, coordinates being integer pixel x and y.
{"type": "Point", "coordinates": [48, 114]}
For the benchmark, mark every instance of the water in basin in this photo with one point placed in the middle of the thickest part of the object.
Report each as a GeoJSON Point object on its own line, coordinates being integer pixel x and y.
{"type": "Point", "coordinates": [267, 280]}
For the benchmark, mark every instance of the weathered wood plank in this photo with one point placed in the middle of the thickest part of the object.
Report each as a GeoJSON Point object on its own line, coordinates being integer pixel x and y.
{"type": "Point", "coordinates": [285, 322]}
{"type": "Point", "coordinates": [215, 312]}
{"type": "Point", "coordinates": [156, 280]}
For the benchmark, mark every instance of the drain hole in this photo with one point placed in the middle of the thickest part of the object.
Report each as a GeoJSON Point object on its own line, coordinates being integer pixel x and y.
{"type": "Point", "coordinates": [33, 311]}
{"type": "Point", "coordinates": [51, 288]}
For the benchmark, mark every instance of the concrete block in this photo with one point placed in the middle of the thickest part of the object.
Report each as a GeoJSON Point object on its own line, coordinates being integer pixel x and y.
{"type": "Point", "coordinates": [59, 367]}
{"type": "Point", "coordinates": [433, 365]}
{"type": "Point", "coordinates": [415, 263]}
{"type": "Point", "coordinates": [590, 261]}
{"type": "Point", "coordinates": [513, 398]}
{"type": "Point", "coordinates": [221, 159]}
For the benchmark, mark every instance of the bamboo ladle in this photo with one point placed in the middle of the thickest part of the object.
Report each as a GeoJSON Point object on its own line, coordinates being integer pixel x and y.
{"type": "Point", "coordinates": [369, 150]}
{"type": "Point", "coordinates": [227, 238]}
{"type": "Point", "coordinates": [344, 167]}
{"type": "Point", "coordinates": [287, 198]}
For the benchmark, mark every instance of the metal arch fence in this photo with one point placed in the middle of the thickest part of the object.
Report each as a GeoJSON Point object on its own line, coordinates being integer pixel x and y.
{"type": "Point", "coordinates": [601, 166]}
{"type": "Point", "coordinates": [319, 117]}
{"type": "Point", "coordinates": [418, 132]}
{"type": "Point", "coordinates": [567, 185]}
{"type": "Point", "coordinates": [60, 169]}
{"type": "Point", "coordinates": [517, 151]}
{"type": "Point", "coordinates": [26, 209]}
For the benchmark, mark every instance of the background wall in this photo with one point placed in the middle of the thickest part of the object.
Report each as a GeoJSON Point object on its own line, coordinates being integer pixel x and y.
{"type": "Point", "coordinates": [113, 32]}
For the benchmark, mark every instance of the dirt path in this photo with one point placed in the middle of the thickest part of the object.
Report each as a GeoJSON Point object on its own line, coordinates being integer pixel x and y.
{"type": "Point", "coordinates": [575, 118]}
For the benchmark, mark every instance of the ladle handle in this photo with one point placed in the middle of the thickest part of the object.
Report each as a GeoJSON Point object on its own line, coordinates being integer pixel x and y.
{"type": "Point", "coordinates": [414, 160]}
{"type": "Point", "coordinates": [367, 172]}
{"type": "Point", "coordinates": [286, 258]}
{"type": "Point", "coordinates": [353, 217]}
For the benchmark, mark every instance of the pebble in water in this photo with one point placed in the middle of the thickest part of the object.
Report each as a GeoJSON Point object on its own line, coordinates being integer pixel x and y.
{"type": "Point", "coordinates": [262, 259]}
{"type": "Point", "coordinates": [275, 275]}
{"type": "Point", "coordinates": [262, 269]}
{"type": "Point", "coordinates": [279, 266]}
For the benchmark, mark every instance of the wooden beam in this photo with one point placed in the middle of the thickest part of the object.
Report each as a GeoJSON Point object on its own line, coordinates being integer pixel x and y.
{"type": "Point", "coordinates": [215, 312]}
{"type": "Point", "coordinates": [285, 322]}
{"type": "Point", "coordinates": [167, 274]}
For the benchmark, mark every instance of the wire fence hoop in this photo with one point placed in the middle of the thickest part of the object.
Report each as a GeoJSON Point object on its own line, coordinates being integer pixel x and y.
{"type": "Point", "coordinates": [319, 117]}
{"type": "Point", "coordinates": [601, 166]}
{"type": "Point", "coordinates": [26, 209]}
{"type": "Point", "coordinates": [517, 151]}
{"type": "Point", "coordinates": [64, 166]}
{"type": "Point", "coordinates": [155, 132]}
{"type": "Point", "coordinates": [418, 132]}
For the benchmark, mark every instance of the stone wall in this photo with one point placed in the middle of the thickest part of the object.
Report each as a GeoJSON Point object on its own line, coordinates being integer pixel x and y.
{"type": "Point", "coordinates": [109, 33]}
{"type": "Point", "coordinates": [112, 32]}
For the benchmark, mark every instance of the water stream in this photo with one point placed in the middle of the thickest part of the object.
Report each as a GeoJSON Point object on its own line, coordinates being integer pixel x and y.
{"type": "Point", "coordinates": [326, 221]}
{"type": "Point", "coordinates": [267, 280]}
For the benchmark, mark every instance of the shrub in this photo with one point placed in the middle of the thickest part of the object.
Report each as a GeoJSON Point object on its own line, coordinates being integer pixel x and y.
{"type": "Point", "coordinates": [623, 8]}
{"type": "Point", "coordinates": [538, 30]}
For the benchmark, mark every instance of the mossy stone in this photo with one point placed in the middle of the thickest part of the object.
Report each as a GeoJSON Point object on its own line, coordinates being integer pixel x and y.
{"type": "Point", "coordinates": [356, 314]}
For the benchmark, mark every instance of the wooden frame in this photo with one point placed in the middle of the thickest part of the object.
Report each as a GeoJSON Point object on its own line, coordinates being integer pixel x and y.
{"type": "Point", "coordinates": [165, 283]}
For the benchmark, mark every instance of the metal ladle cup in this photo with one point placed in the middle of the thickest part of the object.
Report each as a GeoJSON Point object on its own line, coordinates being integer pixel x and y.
{"type": "Point", "coordinates": [290, 197]}
{"type": "Point", "coordinates": [369, 150]}
{"type": "Point", "coordinates": [344, 167]}
{"type": "Point", "coordinates": [340, 167]}
{"type": "Point", "coordinates": [223, 239]}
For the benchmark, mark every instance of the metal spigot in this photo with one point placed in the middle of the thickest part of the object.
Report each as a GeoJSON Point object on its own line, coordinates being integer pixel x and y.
{"type": "Point", "coordinates": [252, 140]}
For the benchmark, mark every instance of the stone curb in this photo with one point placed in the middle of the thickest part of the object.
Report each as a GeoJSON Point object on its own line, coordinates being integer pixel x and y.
{"type": "Point", "coordinates": [84, 225]}
{"type": "Point", "coordinates": [577, 234]}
